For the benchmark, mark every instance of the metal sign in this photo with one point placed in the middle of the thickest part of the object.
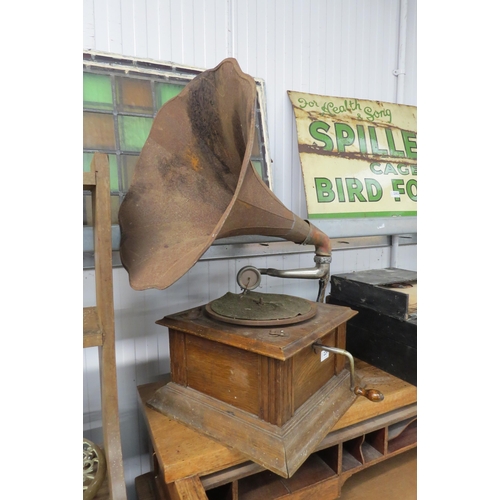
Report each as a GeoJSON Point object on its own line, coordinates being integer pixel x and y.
{"type": "Point", "coordinates": [358, 157]}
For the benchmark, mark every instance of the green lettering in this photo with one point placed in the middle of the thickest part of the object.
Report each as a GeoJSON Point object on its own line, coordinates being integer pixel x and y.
{"type": "Point", "coordinates": [372, 168]}
{"type": "Point", "coordinates": [389, 169]}
{"type": "Point", "coordinates": [324, 191]}
{"type": "Point", "coordinates": [374, 142]}
{"type": "Point", "coordinates": [318, 130]}
{"type": "Point", "coordinates": [410, 185]}
{"type": "Point", "coordinates": [361, 138]}
{"type": "Point", "coordinates": [390, 141]}
{"type": "Point", "coordinates": [340, 189]}
{"type": "Point", "coordinates": [403, 169]}
{"type": "Point", "coordinates": [354, 189]}
{"type": "Point", "coordinates": [374, 189]}
{"type": "Point", "coordinates": [345, 136]}
{"type": "Point", "coordinates": [409, 143]}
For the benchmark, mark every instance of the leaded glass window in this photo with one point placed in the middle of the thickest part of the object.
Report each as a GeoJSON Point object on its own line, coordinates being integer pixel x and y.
{"type": "Point", "coordinates": [120, 100]}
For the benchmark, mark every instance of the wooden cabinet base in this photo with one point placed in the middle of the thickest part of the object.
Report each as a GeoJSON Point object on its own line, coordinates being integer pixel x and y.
{"type": "Point", "coordinates": [190, 466]}
{"type": "Point", "coordinates": [279, 449]}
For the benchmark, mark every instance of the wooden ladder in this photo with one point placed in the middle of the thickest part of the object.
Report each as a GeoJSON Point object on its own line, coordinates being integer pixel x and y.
{"type": "Point", "coordinates": [99, 322]}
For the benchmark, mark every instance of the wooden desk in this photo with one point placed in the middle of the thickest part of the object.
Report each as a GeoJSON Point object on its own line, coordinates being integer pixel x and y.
{"type": "Point", "coordinates": [189, 465]}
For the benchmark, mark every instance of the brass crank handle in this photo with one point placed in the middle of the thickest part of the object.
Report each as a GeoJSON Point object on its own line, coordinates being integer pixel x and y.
{"type": "Point", "coordinates": [371, 394]}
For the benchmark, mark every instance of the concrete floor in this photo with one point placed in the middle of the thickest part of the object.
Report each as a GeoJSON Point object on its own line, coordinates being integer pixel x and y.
{"type": "Point", "coordinates": [393, 479]}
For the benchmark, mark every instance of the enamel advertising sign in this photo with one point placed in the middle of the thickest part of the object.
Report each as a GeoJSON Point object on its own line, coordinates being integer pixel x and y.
{"type": "Point", "coordinates": [358, 157]}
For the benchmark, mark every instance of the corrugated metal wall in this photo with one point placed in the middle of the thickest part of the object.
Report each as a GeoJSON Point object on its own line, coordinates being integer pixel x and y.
{"type": "Point", "coordinates": [333, 47]}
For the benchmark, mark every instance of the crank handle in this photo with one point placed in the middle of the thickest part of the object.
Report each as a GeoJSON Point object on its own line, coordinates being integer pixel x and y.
{"type": "Point", "coordinates": [371, 394]}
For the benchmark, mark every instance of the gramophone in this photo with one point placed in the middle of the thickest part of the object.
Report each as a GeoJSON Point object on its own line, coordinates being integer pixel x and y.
{"type": "Point", "coordinates": [267, 374]}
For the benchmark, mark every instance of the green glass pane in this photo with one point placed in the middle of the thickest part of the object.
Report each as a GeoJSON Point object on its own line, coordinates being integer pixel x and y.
{"type": "Point", "coordinates": [165, 91]}
{"type": "Point", "coordinates": [134, 131]}
{"type": "Point", "coordinates": [97, 92]}
{"type": "Point", "coordinates": [113, 173]}
{"type": "Point", "coordinates": [113, 169]}
{"type": "Point", "coordinates": [87, 160]}
{"type": "Point", "coordinates": [257, 165]}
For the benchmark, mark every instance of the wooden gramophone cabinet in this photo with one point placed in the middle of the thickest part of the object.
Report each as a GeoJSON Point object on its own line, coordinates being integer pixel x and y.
{"type": "Point", "coordinates": [262, 390]}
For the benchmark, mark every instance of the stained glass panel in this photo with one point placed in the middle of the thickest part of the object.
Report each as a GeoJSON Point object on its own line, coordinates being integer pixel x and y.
{"type": "Point", "coordinates": [133, 131]}
{"type": "Point", "coordinates": [98, 131]}
{"type": "Point", "coordinates": [134, 95]}
{"type": "Point", "coordinates": [165, 91]}
{"type": "Point", "coordinates": [97, 91]}
{"type": "Point", "coordinates": [119, 108]}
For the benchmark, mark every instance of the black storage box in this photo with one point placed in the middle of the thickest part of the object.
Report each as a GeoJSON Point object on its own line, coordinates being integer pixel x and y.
{"type": "Point", "coordinates": [384, 333]}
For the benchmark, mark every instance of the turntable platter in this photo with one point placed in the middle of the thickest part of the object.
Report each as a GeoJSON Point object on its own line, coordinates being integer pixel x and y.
{"type": "Point", "coordinates": [261, 309]}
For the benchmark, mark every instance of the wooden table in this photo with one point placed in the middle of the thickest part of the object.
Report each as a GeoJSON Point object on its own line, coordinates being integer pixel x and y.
{"type": "Point", "coordinates": [188, 465]}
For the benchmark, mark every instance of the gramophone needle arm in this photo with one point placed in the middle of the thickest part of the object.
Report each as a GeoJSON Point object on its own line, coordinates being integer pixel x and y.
{"type": "Point", "coordinates": [321, 270]}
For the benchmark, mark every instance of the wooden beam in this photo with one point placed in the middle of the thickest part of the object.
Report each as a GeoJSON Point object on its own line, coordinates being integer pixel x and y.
{"type": "Point", "coordinates": [189, 488]}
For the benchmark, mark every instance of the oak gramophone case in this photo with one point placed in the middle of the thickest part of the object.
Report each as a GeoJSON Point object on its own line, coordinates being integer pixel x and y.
{"type": "Point", "coordinates": [266, 374]}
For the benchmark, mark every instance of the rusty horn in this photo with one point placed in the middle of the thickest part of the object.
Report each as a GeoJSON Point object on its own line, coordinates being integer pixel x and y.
{"type": "Point", "coordinates": [194, 183]}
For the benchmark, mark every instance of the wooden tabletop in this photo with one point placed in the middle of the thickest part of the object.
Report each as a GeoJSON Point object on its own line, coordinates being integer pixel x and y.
{"type": "Point", "coordinates": [182, 452]}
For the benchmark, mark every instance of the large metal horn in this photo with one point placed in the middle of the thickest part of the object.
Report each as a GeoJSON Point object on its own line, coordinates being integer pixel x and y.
{"type": "Point", "coordinates": [193, 183]}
